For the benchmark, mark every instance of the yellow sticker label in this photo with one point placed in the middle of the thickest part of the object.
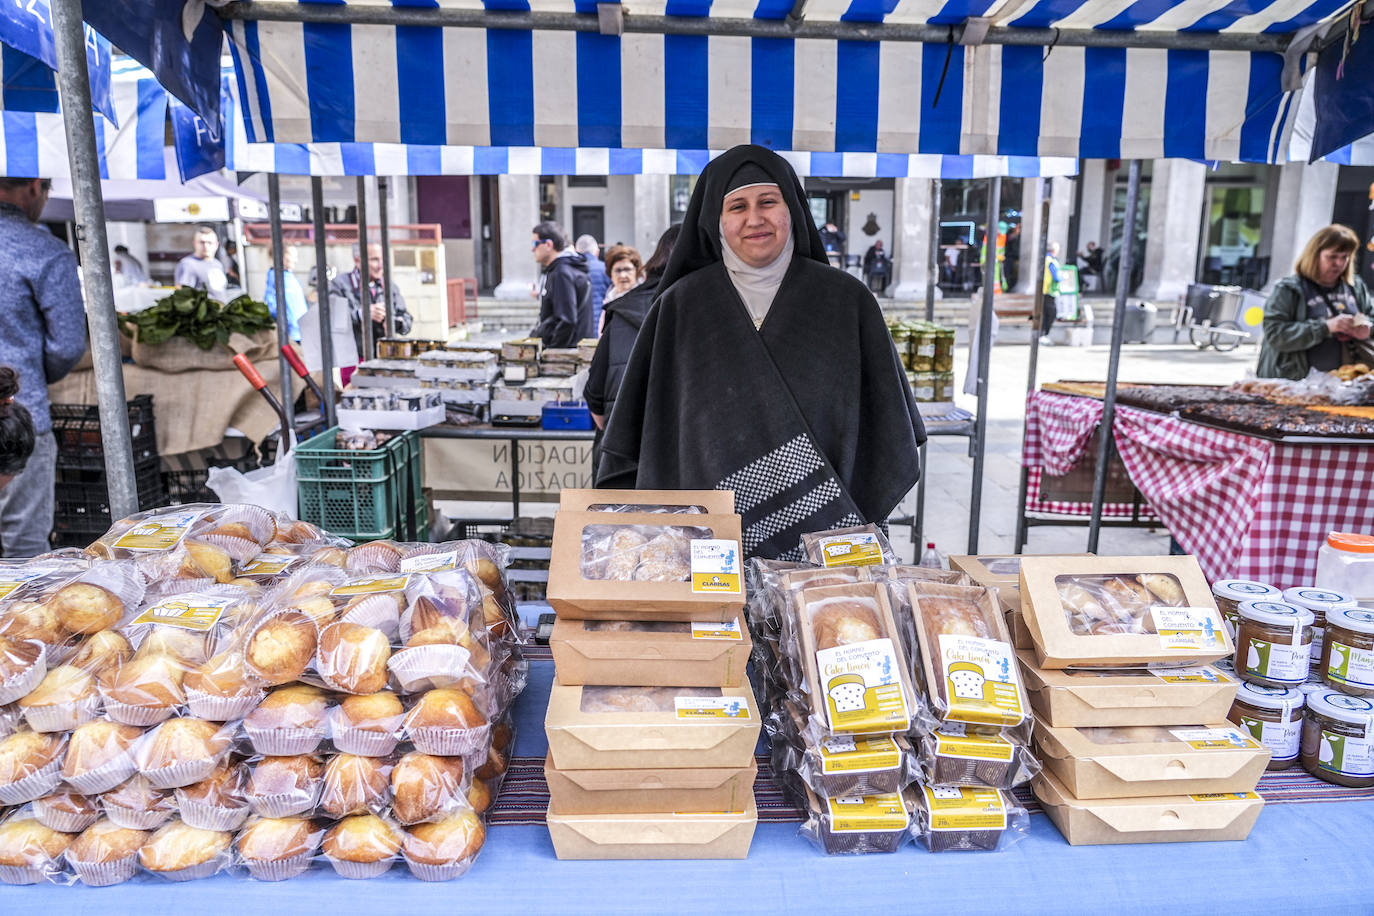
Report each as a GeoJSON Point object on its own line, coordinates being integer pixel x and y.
{"type": "Point", "coordinates": [1200, 674]}
{"type": "Point", "coordinates": [951, 741]}
{"type": "Point", "coordinates": [845, 754]}
{"type": "Point", "coordinates": [1189, 628]}
{"type": "Point", "coordinates": [867, 813]}
{"type": "Point", "coordinates": [371, 585]}
{"type": "Point", "coordinates": [10, 585]}
{"type": "Point", "coordinates": [863, 690]}
{"type": "Point", "coordinates": [190, 612]}
{"type": "Point", "coordinates": [729, 630]}
{"type": "Point", "coordinates": [715, 566]}
{"type": "Point", "coordinates": [982, 681]}
{"type": "Point", "coordinates": [860, 549]}
{"type": "Point", "coordinates": [431, 562]}
{"type": "Point", "coordinates": [162, 533]}
{"type": "Point", "coordinates": [1226, 796]}
{"type": "Point", "coordinates": [268, 564]}
{"type": "Point", "coordinates": [1215, 739]}
{"type": "Point", "coordinates": [711, 707]}
{"type": "Point", "coordinates": [965, 808]}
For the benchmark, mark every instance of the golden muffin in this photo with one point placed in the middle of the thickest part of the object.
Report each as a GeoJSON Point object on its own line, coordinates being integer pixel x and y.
{"type": "Point", "coordinates": [138, 805]}
{"type": "Point", "coordinates": [274, 849]}
{"type": "Point", "coordinates": [372, 712]}
{"type": "Point", "coordinates": [290, 778]}
{"type": "Point", "coordinates": [25, 753]}
{"type": "Point", "coordinates": [179, 847]}
{"type": "Point", "coordinates": [225, 788]}
{"type": "Point", "coordinates": [446, 707]}
{"type": "Point", "coordinates": [317, 607]}
{"type": "Point", "coordinates": [280, 649]}
{"type": "Point", "coordinates": [101, 650]}
{"type": "Point", "coordinates": [353, 658]}
{"type": "Point", "coordinates": [296, 706]}
{"type": "Point", "coordinates": [182, 751]}
{"type": "Point", "coordinates": [64, 699]}
{"type": "Point", "coordinates": [221, 676]}
{"type": "Point", "coordinates": [479, 795]}
{"type": "Point", "coordinates": [81, 607]}
{"type": "Point", "coordinates": [152, 682]}
{"type": "Point", "coordinates": [494, 766]}
{"type": "Point", "coordinates": [30, 620]}
{"type": "Point", "coordinates": [179, 642]}
{"type": "Point", "coordinates": [106, 842]}
{"type": "Point", "coordinates": [453, 839]}
{"type": "Point", "coordinates": [203, 560]}
{"type": "Point", "coordinates": [25, 843]}
{"type": "Point", "coordinates": [67, 811]}
{"type": "Point", "coordinates": [98, 755]}
{"type": "Point", "coordinates": [354, 785]}
{"type": "Point", "coordinates": [17, 657]}
{"type": "Point", "coordinates": [425, 785]}
{"type": "Point", "coordinates": [363, 838]}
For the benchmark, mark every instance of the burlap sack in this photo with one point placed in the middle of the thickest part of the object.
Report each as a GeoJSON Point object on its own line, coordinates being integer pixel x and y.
{"type": "Point", "coordinates": [181, 355]}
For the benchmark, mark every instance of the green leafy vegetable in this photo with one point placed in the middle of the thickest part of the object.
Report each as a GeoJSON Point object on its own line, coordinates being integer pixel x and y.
{"type": "Point", "coordinates": [192, 314]}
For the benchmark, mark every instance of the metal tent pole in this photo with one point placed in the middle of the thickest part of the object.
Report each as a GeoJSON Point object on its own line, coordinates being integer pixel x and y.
{"type": "Point", "coordinates": [364, 275]}
{"type": "Point", "coordinates": [980, 423]}
{"type": "Point", "coordinates": [288, 399]}
{"type": "Point", "coordinates": [322, 299]}
{"type": "Point", "coordinates": [74, 88]}
{"type": "Point", "coordinates": [1040, 260]}
{"type": "Point", "coordinates": [933, 267]}
{"type": "Point", "coordinates": [383, 187]}
{"type": "Point", "coordinates": [1123, 284]}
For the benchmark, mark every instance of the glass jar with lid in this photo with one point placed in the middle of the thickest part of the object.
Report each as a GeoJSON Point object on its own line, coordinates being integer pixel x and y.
{"type": "Point", "coordinates": [1273, 643]}
{"type": "Point", "coordinates": [1273, 717]}
{"type": "Point", "coordinates": [1345, 563]}
{"type": "Point", "coordinates": [923, 349]}
{"type": "Point", "coordinates": [1318, 601]}
{"type": "Point", "coordinates": [1347, 660]}
{"type": "Point", "coordinates": [1338, 739]}
{"type": "Point", "coordinates": [1229, 593]}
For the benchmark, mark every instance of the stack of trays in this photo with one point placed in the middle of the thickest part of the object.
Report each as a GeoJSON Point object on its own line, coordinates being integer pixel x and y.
{"type": "Point", "coordinates": [1131, 718]}
{"type": "Point", "coordinates": [652, 721]}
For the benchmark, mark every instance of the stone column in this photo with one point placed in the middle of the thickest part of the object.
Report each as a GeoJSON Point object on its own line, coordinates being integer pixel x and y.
{"type": "Point", "coordinates": [1061, 202]}
{"type": "Point", "coordinates": [651, 211]}
{"type": "Point", "coordinates": [1032, 233]}
{"type": "Point", "coordinates": [1094, 220]}
{"type": "Point", "coordinates": [911, 244]}
{"type": "Point", "coordinates": [1171, 243]}
{"type": "Point", "coordinates": [518, 196]}
{"type": "Point", "coordinates": [1303, 204]}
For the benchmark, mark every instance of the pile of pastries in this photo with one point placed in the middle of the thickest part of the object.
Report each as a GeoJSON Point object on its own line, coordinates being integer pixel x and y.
{"type": "Point", "coordinates": [211, 688]}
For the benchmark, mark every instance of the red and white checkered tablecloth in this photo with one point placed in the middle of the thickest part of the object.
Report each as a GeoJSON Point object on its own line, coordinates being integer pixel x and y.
{"type": "Point", "coordinates": [1247, 507]}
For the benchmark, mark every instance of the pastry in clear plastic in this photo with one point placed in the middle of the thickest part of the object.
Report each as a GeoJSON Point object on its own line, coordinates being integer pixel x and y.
{"type": "Point", "coordinates": [956, 754]}
{"type": "Point", "coordinates": [443, 850]}
{"type": "Point", "coordinates": [645, 553]}
{"type": "Point", "coordinates": [426, 786]}
{"type": "Point", "coordinates": [179, 852]}
{"type": "Point", "coordinates": [275, 849]}
{"type": "Point", "coordinates": [30, 853]}
{"type": "Point", "coordinates": [861, 545]}
{"type": "Point", "coordinates": [1100, 605]}
{"type": "Point", "coordinates": [362, 846]}
{"type": "Point", "coordinates": [106, 853]}
{"type": "Point", "coordinates": [966, 818]}
{"type": "Point", "coordinates": [857, 825]}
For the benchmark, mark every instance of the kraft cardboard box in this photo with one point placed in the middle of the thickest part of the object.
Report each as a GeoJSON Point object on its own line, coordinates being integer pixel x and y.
{"type": "Point", "coordinates": [1000, 570]}
{"type": "Point", "coordinates": [650, 653]}
{"type": "Point", "coordinates": [1162, 819]}
{"type": "Point", "coordinates": [608, 727]}
{"type": "Point", "coordinates": [649, 790]}
{"type": "Point", "coordinates": [1143, 760]}
{"type": "Point", "coordinates": [1120, 611]}
{"type": "Point", "coordinates": [675, 835]}
{"type": "Point", "coordinates": [1127, 696]}
{"type": "Point", "coordinates": [701, 502]}
{"type": "Point", "coordinates": [646, 566]}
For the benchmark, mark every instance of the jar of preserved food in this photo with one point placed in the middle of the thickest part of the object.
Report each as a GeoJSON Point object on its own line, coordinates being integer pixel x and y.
{"type": "Point", "coordinates": [1229, 593]}
{"type": "Point", "coordinates": [1347, 661]}
{"type": "Point", "coordinates": [923, 385]}
{"type": "Point", "coordinates": [1318, 601]}
{"type": "Point", "coordinates": [1338, 739]}
{"type": "Point", "coordinates": [1345, 563]}
{"type": "Point", "coordinates": [1273, 643]}
{"type": "Point", "coordinates": [944, 386]}
{"type": "Point", "coordinates": [944, 350]}
{"type": "Point", "coordinates": [1273, 717]}
{"type": "Point", "coordinates": [923, 349]}
{"type": "Point", "coordinates": [901, 339]}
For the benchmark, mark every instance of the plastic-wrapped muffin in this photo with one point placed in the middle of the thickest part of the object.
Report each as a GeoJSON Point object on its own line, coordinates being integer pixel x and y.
{"type": "Point", "coordinates": [23, 662]}
{"type": "Point", "coordinates": [189, 646]}
{"type": "Point", "coordinates": [362, 846]}
{"type": "Point", "coordinates": [100, 756]}
{"type": "Point", "coordinates": [64, 699]}
{"type": "Point", "coordinates": [445, 849]}
{"type": "Point", "coordinates": [493, 766]}
{"type": "Point", "coordinates": [426, 786]}
{"type": "Point", "coordinates": [145, 690]}
{"type": "Point", "coordinates": [355, 785]}
{"type": "Point", "coordinates": [203, 559]}
{"type": "Point", "coordinates": [479, 796]}
{"type": "Point", "coordinates": [180, 852]}
{"type": "Point", "coordinates": [281, 647]}
{"type": "Point", "coordinates": [319, 608]}
{"type": "Point", "coordinates": [138, 804]}
{"type": "Point", "coordinates": [29, 851]}
{"type": "Point", "coordinates": [66, 811]}
{"type": "Point", "coordinates": [380, 611]}
{"type": "Point", "coordinates": [83, 607]}
{"type": "Point", "coordinates": [369, 725]}
{"type": "Point", "coordinates": [23, 619]}
{"type": "Point", "coordinates": [374, 557]}
{"type": "Point", "coordinates": [220, 690]}
{"type": "Point", "coordinates": [285, 786]}
{"type": "Point", "coordinates": [289, 720]}
{"type": "Point", "coordinates": [217, 802]}
{"type": "Point", "coordinates": [102, 650]}
{"type": "Point", "coordinates": [182, 751]}
{"type": "Point", "coordinates": [352, 658]}
{"type": "Point", "coordinates": [106, 853]}
{"type": "Point", "coordinates": [274, 849]}
{"type": "Point", "coordinates": [30, 765]}
{"type": "Point", "coordinates": [447, 722]}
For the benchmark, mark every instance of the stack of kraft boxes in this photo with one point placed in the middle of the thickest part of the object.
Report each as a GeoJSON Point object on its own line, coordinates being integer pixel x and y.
{"type": "Point", "coordinates": [652, 723]}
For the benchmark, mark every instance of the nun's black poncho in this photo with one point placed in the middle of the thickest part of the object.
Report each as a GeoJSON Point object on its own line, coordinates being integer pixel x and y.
{"type": "Point", "coordinates": [808, 419]}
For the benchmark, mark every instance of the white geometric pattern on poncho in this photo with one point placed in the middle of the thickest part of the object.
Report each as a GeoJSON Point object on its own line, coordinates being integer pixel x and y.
{"type": "Point", "coordinates": [766, 477]}
{"type": "Point", "coordinates": [794, 514]}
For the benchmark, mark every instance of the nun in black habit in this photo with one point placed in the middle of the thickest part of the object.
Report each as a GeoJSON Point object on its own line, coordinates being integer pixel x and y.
{"type": "Point", "coordinates": [763, 370]}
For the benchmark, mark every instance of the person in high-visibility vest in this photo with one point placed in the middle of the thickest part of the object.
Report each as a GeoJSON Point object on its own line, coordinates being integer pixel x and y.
{"type": "Point", "coordinates": [998, 277]}
{"type": "Point", "coordinates": [1048, 306]}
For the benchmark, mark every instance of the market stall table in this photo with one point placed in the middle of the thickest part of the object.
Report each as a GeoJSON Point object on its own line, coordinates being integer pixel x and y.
{"type": "Point", "coordinates": [514, 435]}
{"type": "Point", "coordinates": [1247, 507]}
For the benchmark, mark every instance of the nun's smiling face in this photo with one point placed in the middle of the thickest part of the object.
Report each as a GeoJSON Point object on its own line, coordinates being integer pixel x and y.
{"type": "Point", "coordinates": [755, 223]}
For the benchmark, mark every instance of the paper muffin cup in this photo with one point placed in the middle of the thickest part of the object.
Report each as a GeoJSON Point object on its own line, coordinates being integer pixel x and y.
{"type": "Point", "coordinates": [448, 742]}
{"type": "Point", "coordinates": [284, 742]}
{"type": "Point", "coordinates": [257, 519]}
{"type": "Point", "coordinates": [426, 667]}
{"type": "Point", "coordinates": [286, 804]}
{"type": "Point", "coordinates": [10, 717]}
{"type": "Point", "coordinates": [183, 773]}
{"type": "Point", "coordinates": [240, 550]}
{"type": "Point", "coordinates": [24, 874]}
{"type": "Point", "coordinates": [130, 819]}
{"type": "Point", "coordinates": [380, 612]}
{"type": "Point", "coordinates": [374, 558]}
{"type": "Point", "coordinates": [278, 869]}
{"type": "Point", "coordinates": [63, 718]}
{"type": "Point", "coordinates": [427, 872]}
{"type": "Point", "coordinates": [207, 816]}
{"type": "Point", "coordinates": [104, 777]}
{"type": "Point", "coordinates": [193, 872]}
{"type": "Point", "coordinates": [364, 742]}
{"type": "Point", "coordinates": [105, 874]}
{"type": "Point", "coordinates": [222, 709]}
{"type": "Point", "coordinates": [63, 821]}
{"type": "Point", "coordinates": [170, 585]}
{"type": "Point", "coordinates": [127, 714]}
{"type": "Point", "coordinates": [348, 869]}
{"type": "Point", "coordinates": [22, 684]}
{"type": "Point", "coordinates": [33, 786]}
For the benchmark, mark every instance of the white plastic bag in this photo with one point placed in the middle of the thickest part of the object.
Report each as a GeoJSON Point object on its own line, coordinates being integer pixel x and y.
{"type": "Point", "coordinates": [272, 487]}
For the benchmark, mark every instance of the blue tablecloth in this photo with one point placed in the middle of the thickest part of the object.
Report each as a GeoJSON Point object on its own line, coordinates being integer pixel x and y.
{"type": "Point", "coordinates": [1299, 858]}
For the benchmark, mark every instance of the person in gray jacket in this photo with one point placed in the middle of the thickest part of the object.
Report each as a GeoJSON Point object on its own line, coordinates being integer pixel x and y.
{"type": "Point", "coordinates": [43, 318]}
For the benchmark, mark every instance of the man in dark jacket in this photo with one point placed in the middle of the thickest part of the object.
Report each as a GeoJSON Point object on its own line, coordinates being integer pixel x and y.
{"type": "Point", "coordinates": [349, 287]}
{"type": "Point", "coordinates": [565, 290]}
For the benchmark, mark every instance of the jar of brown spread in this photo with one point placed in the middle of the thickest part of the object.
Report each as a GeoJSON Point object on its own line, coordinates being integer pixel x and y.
{"type": "Point", "coordinates": [1229, 593]}
{"type": "Point", "coordinates": [1273, 643]}
{"type": "Point", "coordinates": [1347, 660]}
{"type": "Point", "coordinates": [1338, 739]}
{"type": "Point", "coordinates": [1319, 601]}
{"type": "Point", "coordinates": [1273, 717]}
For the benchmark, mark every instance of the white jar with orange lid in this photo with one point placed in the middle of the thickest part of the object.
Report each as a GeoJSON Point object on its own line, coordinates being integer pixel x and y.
{"type": "Point", "coordinates": [1345, 563]}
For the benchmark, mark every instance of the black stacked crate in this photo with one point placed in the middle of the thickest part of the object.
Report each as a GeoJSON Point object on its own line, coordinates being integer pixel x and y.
{"type": "Point", "coordinates": [81, 511]}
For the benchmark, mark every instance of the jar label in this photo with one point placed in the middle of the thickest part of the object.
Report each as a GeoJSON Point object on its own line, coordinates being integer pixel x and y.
{"type": "Point", "coordinates": [1276, 661]}
{"type": "Point", "coordinates": [1318, 638]}
{"type": "Point", "coordinates": [1351, 666]}
{"type": "Point", "coordinates": [1283, 738]}
{"type": "Point", "coordinates": [1345, 754]}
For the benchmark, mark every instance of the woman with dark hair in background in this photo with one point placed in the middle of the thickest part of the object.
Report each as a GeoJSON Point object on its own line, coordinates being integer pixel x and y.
{"type": "Point", "coordinates": [16, 428]}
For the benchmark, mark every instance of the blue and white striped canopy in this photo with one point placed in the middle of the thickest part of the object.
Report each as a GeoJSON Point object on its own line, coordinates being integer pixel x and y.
{"type": "Point", "coordinates": [327, 82]}
{"type": "Point", "coordinates": [28, 60]}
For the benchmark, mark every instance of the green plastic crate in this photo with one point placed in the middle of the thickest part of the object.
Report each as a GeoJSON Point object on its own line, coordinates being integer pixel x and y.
{"type": "Point", "coordinates": [363, 495]}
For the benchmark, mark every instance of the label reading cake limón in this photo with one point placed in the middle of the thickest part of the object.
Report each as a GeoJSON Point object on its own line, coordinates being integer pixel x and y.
{"type": "Point", "coordinates": [862, 687]}
{"type": "Point", "coordinates": [982, 682]}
